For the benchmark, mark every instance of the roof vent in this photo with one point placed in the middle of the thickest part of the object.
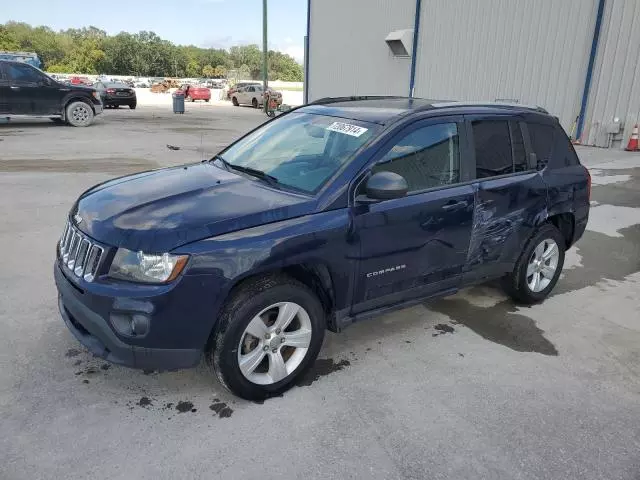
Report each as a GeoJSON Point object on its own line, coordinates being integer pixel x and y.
{"type": "Point", "coordinates": [400, 41]}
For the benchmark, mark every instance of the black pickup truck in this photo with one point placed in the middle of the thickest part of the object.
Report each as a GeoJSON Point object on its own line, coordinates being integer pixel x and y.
{"type": "Point", "coordinates": [26, 90]}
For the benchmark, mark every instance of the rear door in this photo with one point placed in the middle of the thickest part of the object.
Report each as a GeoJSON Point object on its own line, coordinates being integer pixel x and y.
{"type": "Point", "coordinates": [511, 196]}
{"type": "Point", "coordinates": [417, 245]}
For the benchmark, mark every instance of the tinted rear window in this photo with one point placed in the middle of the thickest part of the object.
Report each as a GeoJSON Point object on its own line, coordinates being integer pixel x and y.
{"type": "Point", "coordinates": [541, 142]}
{"type": "Point", "coordinates": [493, 148]}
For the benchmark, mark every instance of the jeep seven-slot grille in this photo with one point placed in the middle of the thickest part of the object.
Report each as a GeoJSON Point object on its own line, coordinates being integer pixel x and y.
{"type": "Point", "coordinates": [80, 254]}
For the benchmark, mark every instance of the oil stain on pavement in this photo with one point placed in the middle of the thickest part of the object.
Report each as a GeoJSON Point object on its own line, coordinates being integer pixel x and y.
{"type": "Point", "coordinates": [321, 368]}
{"type": "Point", "coordinates": [499, 323]}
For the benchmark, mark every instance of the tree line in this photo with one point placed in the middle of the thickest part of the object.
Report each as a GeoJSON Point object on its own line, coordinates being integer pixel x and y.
{"type": "Point", "coordinates": [90, 50]}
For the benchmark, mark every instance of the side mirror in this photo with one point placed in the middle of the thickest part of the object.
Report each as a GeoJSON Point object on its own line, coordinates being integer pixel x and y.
{"type": "Point", "coordinates": [386, 186]}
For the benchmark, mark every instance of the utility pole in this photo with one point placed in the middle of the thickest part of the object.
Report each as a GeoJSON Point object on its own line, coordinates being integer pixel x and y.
{"type": "Point", "coordinates": [265, 51]}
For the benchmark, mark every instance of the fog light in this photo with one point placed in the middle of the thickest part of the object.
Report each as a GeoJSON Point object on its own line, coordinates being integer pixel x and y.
{"type": "Point", "coordinates": [130, 324]}
{"type": "Point", "coordinates": [139, 325]}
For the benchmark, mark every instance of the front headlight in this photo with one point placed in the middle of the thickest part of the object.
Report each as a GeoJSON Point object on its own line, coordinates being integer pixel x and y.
{"type": "Point", "coordinates": [146, 267]}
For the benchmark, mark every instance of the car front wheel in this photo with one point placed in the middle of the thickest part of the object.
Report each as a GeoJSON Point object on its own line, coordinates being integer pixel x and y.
{"type": "Point", "coordinates": [234, 100]}
{"type": "Point", "coordinates": [79, 114]}
{"type": "Point", "coordinates": [268, 335]}
{"type": "Point", "coordinates": [539, 266]}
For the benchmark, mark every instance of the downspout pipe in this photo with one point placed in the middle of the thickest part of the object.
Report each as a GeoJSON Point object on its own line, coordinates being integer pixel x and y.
{"type": "Point", "coordinates": [592, 61]}
{"type": "Point", "coordinates": [306, 54]}
{"type": "Point", "coordinates": [414, 52]}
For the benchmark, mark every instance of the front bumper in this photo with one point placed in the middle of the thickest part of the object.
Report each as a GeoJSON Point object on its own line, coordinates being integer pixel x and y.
{"type": "Point", "coordinates": [93, 330]}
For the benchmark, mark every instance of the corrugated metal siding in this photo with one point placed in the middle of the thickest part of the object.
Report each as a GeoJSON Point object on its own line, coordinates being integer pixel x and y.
{"type": "Point", "coordinates": [532, 51]}
{"type": "Point", "coordinates": [347, 51]}
{"type": "Point", "coordinates": [615, 89]}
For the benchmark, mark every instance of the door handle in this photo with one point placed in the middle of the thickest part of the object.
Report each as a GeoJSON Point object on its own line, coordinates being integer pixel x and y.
{"type": "Point", "coordinates": [453, 205]}
{"type": "Point", "coordinates": [15, 88]}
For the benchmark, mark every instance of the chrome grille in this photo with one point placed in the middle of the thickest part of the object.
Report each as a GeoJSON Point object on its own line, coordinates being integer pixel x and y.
{"type": "Point", "coordinates": [79, 254]}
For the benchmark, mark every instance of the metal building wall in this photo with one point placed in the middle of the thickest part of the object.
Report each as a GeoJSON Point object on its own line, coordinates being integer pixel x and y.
{"type": "Point", "coordinates": [532, 51]}
{"type": "Point", "coordinates": [347, 51]}
{"type": "Point", "coordinates": [615, 88]}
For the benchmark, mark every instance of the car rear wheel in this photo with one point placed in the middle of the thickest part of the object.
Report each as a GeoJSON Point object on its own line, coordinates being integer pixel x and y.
{"type": "Point", "coordinates": [79, 114]}
{"type": "Point", "coordinates": [254, 103]}
{"type": "Point", "coordinates": [133, 106]}
{"type": "Point", "coordinates": [268, 335]}
{"type": "Point", "coordinates": [234, 100]}
{"type": "Point", "coordinates": [538, 268]}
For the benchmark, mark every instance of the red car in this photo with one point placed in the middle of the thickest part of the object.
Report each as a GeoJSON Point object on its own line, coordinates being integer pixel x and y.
{"type": "Point", "coordinates": [194, 92]}
{"type": "Point", "coordinates": [80, 81]}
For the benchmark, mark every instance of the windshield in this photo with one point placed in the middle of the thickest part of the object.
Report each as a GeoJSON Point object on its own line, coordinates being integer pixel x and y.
{"type": "Point", "coordinates": [301, 150]}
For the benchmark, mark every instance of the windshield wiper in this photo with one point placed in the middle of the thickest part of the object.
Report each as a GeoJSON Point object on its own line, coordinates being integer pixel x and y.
{"type": "Point", "coordinates": [270, 179]}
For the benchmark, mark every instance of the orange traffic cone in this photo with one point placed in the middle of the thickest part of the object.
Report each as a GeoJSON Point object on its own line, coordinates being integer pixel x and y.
{"type": "Point", "coordinates": [633, 141]}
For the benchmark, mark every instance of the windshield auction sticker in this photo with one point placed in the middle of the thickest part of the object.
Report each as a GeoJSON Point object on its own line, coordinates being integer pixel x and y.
{"type": "Point", "coordinates": [347, 128]}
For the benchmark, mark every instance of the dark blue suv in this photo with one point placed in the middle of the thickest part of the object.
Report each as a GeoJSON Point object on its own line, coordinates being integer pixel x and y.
{"type": "Point", "coordinates": [326, 215]}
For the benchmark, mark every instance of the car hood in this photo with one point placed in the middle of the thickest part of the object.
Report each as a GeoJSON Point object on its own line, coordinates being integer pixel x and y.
{"type": "Point", "coordinates": [160, 210]}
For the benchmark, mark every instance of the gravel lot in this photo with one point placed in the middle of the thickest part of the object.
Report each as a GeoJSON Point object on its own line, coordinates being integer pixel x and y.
{"type": "Point", "coordinates": [469, 387]}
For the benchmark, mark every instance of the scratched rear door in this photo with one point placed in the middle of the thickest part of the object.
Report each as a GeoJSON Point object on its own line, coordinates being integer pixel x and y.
{"type": "Point", "coordinates": [510, 194]}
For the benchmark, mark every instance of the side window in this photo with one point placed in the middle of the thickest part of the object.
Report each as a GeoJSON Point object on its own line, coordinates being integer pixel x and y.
{"type": "Point", "coordinates": [541, 142]}
{"type": "Point", "coordinates": [21, 73]}
{"type": "Point", "coordinates": [492, 147]}
{"type": "Point", "coordinates": [520, 163]}
{"type": "Point", "coordinates": [427, 157]}
{"type": "Point", "coordinates": [250, 89]}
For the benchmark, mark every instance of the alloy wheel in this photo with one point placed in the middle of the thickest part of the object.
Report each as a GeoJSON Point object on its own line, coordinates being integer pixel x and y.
{"type": "Point", "coordinates": [274, 343]}
{"type": "Point", "coordinates": [80, 114]}
{"type": "Point", "coordinates": [542, 265]}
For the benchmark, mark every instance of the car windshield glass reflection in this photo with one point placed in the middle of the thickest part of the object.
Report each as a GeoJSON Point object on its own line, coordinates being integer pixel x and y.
{"type": "Point", "coordinates": [300, 150]}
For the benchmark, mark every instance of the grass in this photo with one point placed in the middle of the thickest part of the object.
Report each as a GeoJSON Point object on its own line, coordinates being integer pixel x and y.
{"type": "Point", "coordinates": [290, 89]}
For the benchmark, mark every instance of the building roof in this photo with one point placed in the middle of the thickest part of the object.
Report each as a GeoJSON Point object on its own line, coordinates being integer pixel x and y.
{"type": "Point", "coordinates": [384, 110]}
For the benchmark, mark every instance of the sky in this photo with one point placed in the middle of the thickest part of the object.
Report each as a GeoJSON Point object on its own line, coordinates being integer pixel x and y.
{"type": "Point", "coordinates": [204, 23]}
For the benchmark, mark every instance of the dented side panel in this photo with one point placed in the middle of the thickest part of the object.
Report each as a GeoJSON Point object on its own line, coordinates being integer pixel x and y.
{"type": "Point", "coordinates": [506, 212]}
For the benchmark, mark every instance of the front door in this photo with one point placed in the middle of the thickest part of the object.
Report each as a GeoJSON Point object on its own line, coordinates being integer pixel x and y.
{"type": "Point", "coordinates": [415, 246]}
{"type": "Point", "coordinates": [31, 92]}
{"type": "Point", "coordinates": [4, 91]}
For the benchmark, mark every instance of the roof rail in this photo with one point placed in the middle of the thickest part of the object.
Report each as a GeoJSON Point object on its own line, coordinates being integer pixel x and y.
{"type": "Point", "coordinates": [535, 108]}
{"type": "Point", "coordinates": [352, 98]}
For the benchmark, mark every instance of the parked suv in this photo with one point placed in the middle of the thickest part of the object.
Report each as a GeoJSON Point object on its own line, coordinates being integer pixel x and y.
{"type": "Point", "coordinates": [26, 90]}
{"type": "Point", "coordinates": [329, 214]}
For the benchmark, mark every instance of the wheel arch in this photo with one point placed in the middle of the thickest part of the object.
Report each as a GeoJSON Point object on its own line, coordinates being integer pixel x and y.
{"type": "Point", "coordinates": [314, 275]}
{"type": "Point", "coordinates": [75, 98]}
{"type": "Point", "coordinates": [566, 223]}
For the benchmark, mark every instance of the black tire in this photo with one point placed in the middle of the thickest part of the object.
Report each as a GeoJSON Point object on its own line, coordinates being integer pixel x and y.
{"type": "Point", "coordinates": [515, 283]}
{"type": "Point", "coordinates": [206, 100]}
{"type": "Point", "coordinates": [79, 114]}
{"type": "Point", "coordinates": [243, 305]}
{"type": "Point", "coordinates": [234, 100]}
{"type": "Point", "coordinates": [133, 106]}
{"type": "Point", "coordinates": [254, 103]}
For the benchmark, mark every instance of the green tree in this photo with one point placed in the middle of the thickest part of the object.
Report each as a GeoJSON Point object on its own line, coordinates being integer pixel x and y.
{"type": "Point", "coordinates": [208, 71]}
{"type": "Point", "coordinates": [8, 40]}
{"type": "Point", "coordinates": [91, 50]}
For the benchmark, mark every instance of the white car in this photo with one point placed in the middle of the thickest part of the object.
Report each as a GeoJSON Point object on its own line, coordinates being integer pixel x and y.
{"type": "Point", "coordinates": [249, 95]}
